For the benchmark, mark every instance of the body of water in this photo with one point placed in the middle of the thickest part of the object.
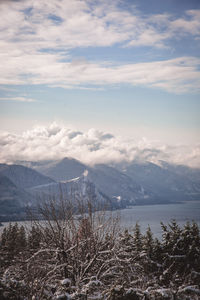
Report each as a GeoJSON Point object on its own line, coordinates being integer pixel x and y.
{"type": "Point", "coordinates": [152, 215]}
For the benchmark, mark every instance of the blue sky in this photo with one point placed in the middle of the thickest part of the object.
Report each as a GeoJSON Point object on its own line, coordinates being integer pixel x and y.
{"type": "Point", "coordinates": [127, 67]}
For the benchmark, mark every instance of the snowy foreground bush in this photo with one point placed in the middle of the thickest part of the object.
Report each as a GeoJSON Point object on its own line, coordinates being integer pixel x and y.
{"type": "Point", "coordinates": [89, 258]}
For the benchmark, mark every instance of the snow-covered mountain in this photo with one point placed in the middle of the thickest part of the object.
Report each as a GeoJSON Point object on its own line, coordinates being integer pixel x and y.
{"type": "Point", "coordinates": [132, 183]}
{"type": "Point", "coordinates": [191, 176]}
{"type": "Point", "coordinates": [14, 182]}
{"type": "Point", "coordinates": [166, 180]}
{"type": "Point", "coordinates": [79, 190]}
{"type": "Point", "coordinates": [118, 185]}
{"type": "Point", "coordinates": [65, 169]}
{"type": "Point", "coordinates": [23, 177]}
{"type": "Point", "coordinates": [13, 199]}
{"type": "Point", "coordinates": [108, 180]}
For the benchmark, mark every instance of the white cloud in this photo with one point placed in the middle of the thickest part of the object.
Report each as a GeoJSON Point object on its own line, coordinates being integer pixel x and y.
{"type": "Point", "coordinates": [93, 146]}
{"type": "Point", "coordinates": [189, 25]}
{"type": "Point", "coordinates": [150, 37]}
{"type": "Point", "coordinates": [175, 75]}
{"type": "Point", "coordinates": [37, 38]}
{"type": "Point", "coordinates": [18, 99]}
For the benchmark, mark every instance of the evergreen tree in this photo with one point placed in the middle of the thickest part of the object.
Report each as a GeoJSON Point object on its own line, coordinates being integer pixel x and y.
{"type": "Point", "coordinates": [157, 251]}
{"type": "Point", "coordinates": [175, 234]}
{"type": "Point", "coordinates": [11, 238]}
{"type": "Point", "coordinates": [148, 244]}
{"type": "Point", "coordinates": [21, 238]}
{"type": "Point", "coordinates": [3, 238]}
{"type": "Point", "coordinates": [137, 238]}
{"type": "Point", "coordinates": [34, 238]}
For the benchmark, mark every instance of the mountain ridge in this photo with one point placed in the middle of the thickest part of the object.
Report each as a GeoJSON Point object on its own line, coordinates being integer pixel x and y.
{"type": "Point", "coordinates": [23, 176]}
{"type": "Point", "coordinates": [121, 185]}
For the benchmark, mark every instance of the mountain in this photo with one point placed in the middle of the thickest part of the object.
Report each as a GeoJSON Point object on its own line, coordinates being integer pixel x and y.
{"type": "Point", "coordinates": [65, 169]}
{"type": "Point", "coordinates": [109, 181]}
{"type": "Point", "coordinates": [14, 195]}
{"type": "Point", "coordinates": [13, 200]}
{"type": "Point", "coordinates": [117, 185]}
{"type": "Point", "coordinates": [191, 176]}
{"type": "Point", "coordinates": [166, 180]}
{"type": "Point", "coordinates": [132, 183]}
{"type": "Point", "coordinates": [80, 191]}
{"type": "Point", "coordinates": [23, 177]}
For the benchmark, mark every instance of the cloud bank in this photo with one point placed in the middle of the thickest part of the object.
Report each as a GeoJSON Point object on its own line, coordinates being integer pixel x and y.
{"type": "Point", "coordinates": [55, 142]}
{"type": "Point", "coordinates": [38, 38]}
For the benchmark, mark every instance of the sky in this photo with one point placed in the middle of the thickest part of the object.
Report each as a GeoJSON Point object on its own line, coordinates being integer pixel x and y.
{"type": "Point", "coordinates": [128, 70]}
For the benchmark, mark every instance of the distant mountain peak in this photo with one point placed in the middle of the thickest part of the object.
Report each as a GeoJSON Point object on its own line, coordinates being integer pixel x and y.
{"type": "Point", "coordinates": [22, 176]}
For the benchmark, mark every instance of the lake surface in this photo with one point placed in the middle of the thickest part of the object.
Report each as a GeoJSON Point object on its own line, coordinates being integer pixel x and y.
{"type": "Point", "coordinates": [153, 214]}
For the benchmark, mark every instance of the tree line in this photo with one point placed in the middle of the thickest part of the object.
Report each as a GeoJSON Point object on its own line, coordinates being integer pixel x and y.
{"type": "Point", "coordinates": [68, 257]}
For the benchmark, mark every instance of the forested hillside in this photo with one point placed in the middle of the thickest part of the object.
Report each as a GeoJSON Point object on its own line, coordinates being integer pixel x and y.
{"type": "Point", "coordinates": [89, 258]}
